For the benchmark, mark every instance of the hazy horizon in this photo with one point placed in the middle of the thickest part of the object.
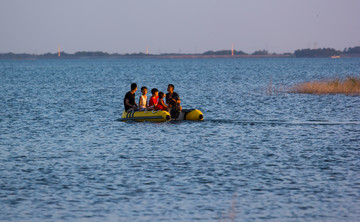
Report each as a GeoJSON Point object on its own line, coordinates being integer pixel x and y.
{"type": "Point", "coordinates": [278, 26]}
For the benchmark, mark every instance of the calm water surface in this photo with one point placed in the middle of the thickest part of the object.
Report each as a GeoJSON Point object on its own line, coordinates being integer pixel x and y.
{"type": "Point", "coordinates": [259, 155]}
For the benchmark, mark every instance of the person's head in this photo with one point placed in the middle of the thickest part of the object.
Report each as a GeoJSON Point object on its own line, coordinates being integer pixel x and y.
{"type": "Point", "coordinates": [143, 90]}
{"type": "Point", "coordinates": [161, 95]}
{"type": "Point", "coordinates": [170, 88]}
{"type": "Point", "coordinates": [133, 87]}
{"type": "Point", "coordinates": [154, 91]}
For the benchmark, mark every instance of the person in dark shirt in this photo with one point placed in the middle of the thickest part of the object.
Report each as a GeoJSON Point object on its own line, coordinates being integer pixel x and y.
{"type": "Point", "coordinates": [173, 101]}
{"type": "Point", "coordinates": [129, 99]}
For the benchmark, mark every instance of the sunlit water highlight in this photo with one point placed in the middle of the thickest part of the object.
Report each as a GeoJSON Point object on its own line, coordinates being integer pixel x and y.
{"type": "Point", "coordinates": [257, 156]}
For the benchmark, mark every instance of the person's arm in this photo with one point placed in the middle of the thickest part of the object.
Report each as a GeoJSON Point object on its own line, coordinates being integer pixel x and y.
{"type": "Point", "coordinates": [177, 101]}
{"type": "Point", "coordinates": [162, 103]}
{"type": "Point", "coordinates": [167, 98]}
{"type": "Point", "coordinates": [176, 97]}
{"type": "Point", "coordinates": [128, 104]}
{"type": "Point", "coordinates": [140, 102]}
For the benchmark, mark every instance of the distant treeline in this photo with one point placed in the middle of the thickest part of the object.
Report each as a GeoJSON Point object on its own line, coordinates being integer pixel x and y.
{"type": "Point", "coordinates": [224, 52]}
{"type": "Point", "coordinates": [229, 52]}
{"type": "Point", "coordinates": [326, 52]}
{"type": "Point", "coordinates": [64, 55]}
{"type": "Point", "coordinates": [310, 53]}
{"type": "Point", "coordinates": [355, 50]}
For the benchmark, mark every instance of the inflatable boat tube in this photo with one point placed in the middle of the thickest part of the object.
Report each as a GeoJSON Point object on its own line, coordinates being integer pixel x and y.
{"type": "Point", "coordinates": [150, 116]}
{"type": "Point", "coordinates": [162, 116]}
{"type": "Point", "coordinates": [190, 114]}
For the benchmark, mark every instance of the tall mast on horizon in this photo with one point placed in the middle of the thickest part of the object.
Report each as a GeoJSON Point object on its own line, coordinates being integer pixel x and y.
{"type": "Point", "coordinates": [232, 49]}
{"type": "Point", "coordinates": [58, 51]}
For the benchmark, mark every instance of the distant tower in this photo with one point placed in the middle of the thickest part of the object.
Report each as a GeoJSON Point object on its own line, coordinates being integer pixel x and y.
{"type": "Point", "coordinates": [147, 50]}
{"type": "Point", "coordinates": [232, 50]}
{"type": "Point", "coordinates": [59, 51]}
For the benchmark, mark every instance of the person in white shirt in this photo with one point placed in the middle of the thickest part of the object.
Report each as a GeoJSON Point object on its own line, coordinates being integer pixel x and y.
{"type": "Point", "coordinates": [143, 102]}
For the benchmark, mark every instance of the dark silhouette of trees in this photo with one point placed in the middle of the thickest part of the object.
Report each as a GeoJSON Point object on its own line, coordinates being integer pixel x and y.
{"type": "Point", "coordinates": [314, 53]}
{"type": "Point", "coordinates": [224, 52]}
{"type": "Point", "coordinates": [355, 50]}
{"type": "Point", "coordinates": [261, 52]}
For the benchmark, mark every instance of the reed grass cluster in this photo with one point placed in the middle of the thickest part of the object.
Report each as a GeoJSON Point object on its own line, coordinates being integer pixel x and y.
{"type": "Point", "coordinates": [348, 86]}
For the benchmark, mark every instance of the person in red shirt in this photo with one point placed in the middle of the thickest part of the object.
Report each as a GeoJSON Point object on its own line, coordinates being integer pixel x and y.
{"type": "Point", "coordinates": [153, 101]}
{"type": "Point", "coordinates": [161, 105]}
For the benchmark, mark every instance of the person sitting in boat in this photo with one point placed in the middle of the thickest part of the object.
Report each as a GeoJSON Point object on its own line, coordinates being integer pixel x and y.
{"type": "Point", "coordinates": [143, 103]}
{"type": "Point", "coordinates": [129, 99]}
{"type": "Point", "coordinates": [173, 101]}
{"type": "Point", "coordinates": [161, 105]}
{"type": "Point", "coordinates": [153, 101]}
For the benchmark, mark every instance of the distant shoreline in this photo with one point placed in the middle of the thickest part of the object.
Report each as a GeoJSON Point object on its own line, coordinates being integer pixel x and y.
{"type": "Point", "coordinates": [185, 56]}
{"type": "Point", "coordinates": [164, 57]}
{"type": "Point", "coordinates": [303, 53]}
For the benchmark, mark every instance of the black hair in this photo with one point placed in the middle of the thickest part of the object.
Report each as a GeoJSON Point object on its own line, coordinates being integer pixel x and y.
{"type": "Point", "coordinates": [171, 86]}
{"type": "Point", "coordinates": [133, 86]}
{"type": "Point", "coordinates": [154, 90]}
{"type": "Point", "coordinates": [161, 95]}
{"type": "Point", "coordinates": [144, 87]}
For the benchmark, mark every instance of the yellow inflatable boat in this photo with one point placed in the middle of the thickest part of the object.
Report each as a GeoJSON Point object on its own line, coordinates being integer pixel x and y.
{"type": "Point", "coordinates": [162, 116]}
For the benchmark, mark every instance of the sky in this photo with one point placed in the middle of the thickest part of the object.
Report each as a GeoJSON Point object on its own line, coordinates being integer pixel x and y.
{"type": "Point", "coordinates": [177, 26]}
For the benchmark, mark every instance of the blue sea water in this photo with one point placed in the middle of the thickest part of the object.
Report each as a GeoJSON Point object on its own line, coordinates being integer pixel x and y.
{"type": "Point", "coordinates": [261, 154]}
